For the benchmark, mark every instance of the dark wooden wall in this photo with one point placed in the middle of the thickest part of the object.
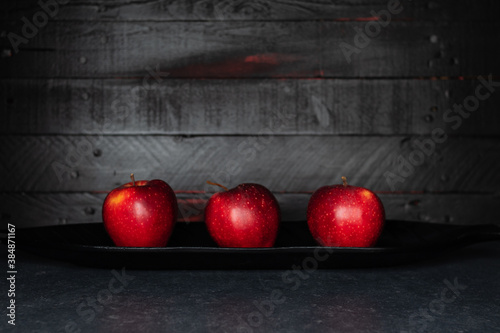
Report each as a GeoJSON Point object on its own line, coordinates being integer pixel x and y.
{"type": "Point", "coordinates": [248, 91]}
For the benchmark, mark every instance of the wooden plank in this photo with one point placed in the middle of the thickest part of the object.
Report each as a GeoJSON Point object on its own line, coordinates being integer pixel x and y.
{"type": "Point", "coordinates": [252, 49]}
{"type": "Point", "coordinates": [38, 209]}
{"type": "Point", "coordinates": [198, 107]}
{"type": "Point", "coordinates": [282, 163]}
{"type": "Point", "coordinates": [194, 10]}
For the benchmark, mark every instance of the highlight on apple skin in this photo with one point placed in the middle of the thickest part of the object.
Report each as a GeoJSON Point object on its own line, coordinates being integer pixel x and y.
{"type": "Point", "coordinates": [246, 216]}
{"type": "Point", "coordinates": [140, 213]}
{"type": "Point", "coordinates": [345, 216]}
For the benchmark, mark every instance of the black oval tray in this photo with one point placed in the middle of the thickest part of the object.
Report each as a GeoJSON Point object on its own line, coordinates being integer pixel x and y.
{"type": "Point", "coordinates": [191, 247]}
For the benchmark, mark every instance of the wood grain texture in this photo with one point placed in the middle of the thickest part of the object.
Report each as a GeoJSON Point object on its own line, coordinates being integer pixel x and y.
{"type": "Point", "coordinates": [216, 10]}
{"type": "Point", "coordinates": [252, 50]}
{"type": "Point", "coordinates": [267, 106]}
{"type": "Point", "coordinates": [282, 163]}
{"type": "Point", "coordinates": [38, 209]}
{"type": "Point", "coordinates": [183, 90]}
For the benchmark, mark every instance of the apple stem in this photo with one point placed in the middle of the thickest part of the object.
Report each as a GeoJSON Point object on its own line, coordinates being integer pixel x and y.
{"type": "Point", "coordinates": [133, 179]}
{"type": "Point", "coordinates": [344, 180]}
{"type": "Point", "coordinates": [212, 183]}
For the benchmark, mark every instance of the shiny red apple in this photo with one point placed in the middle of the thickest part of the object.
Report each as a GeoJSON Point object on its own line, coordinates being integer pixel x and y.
{"type": "Point", "coordinates": [140, 213]}
{"type": "Point", "coordinates": [245, 216]}
{"type": "Point", "coordinates": [345, 216]}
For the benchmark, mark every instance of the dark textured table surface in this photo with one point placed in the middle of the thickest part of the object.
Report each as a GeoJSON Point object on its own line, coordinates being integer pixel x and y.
{"type": "Point", "coordinates": [456, 292]}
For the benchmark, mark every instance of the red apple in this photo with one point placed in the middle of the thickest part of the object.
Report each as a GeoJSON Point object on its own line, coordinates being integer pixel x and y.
{"type": "Point", "coordinates": [140, 213]}
{"type": "Point", "coordinates": [245, 216]}
{"type": "Point", "coordinates": [346, 216]}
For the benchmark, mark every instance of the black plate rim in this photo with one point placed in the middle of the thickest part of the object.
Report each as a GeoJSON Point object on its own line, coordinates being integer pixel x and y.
{"type": "Point", "coordinates": [93, 254]}
{"type": "Point", "coordinates": [215, 250]}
